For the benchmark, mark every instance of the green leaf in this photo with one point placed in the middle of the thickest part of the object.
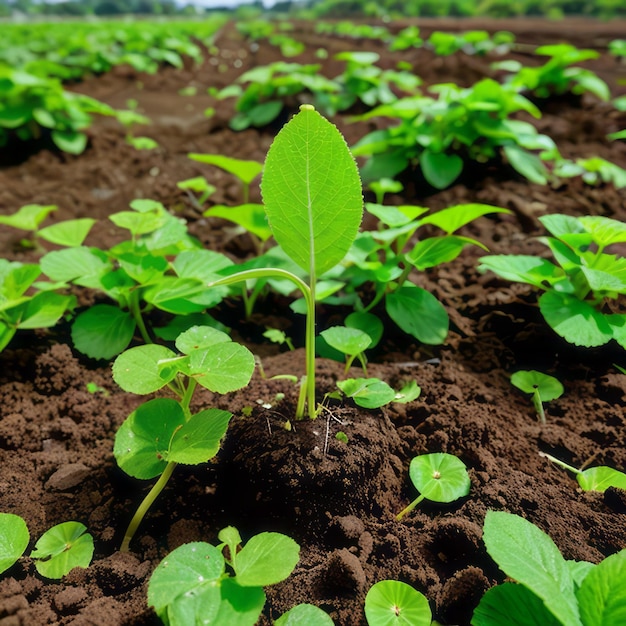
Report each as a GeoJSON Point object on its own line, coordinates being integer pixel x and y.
{"type": "Point", "coordinates": [453, 218]}
{"type": "Point", "coordinates": [304, 615]}
{"type": "Point", "coordinates": [44, 309]}
{"type": "Point", "coordinates": [605, 231]}
{"type": "Point", "coordinates": [369, 393]}
{"type": "Point", "coordinates": [102, 331]}
{"type": "Point", "coordinates": [246, 171]}
{"type": "Point", "coordinates": [198, 440]}
{"type": "Point", "coordinates": [250, 216]}
{"type": "Point", "coordinates": [418, 313]}
{"type": "Point", "coordinates": [440, 169]}
{"type": "Point", "coordinates": [439, 476]}
{"type": "Point", "coordinates": [28, 217]}
{"type": "Point", "coordinates": [71, 141]}
{"type": "Point", "coordinates": [394, 603]}
{"type": "Point", "coordinates": [602, 594]}
{"type": "Point", "coordinates": [239, 606]}
{"type": "Point", "coordinates": [350, 341]}
{"type": "Point", "coordinates": [144, 369]}
{"type": "Point", "coordinates": [81, 265]}
{"type": "Point", "coordinates": [14, 538]}
{"type": "Point", "coordinates": [529, 556]}
{"type": "Point", "coordinates": [188, 567]}
{"type": "Point", "coordinates": [222, 368]}
{"type": "Point", "coordinates": [62, 548]}
{"type": "Point", "coordinates": [142, 442]}
{"type": "Point", "coordinates": [200, 337]}
{"type": "Point", "coordinates": [575, 320]}
{"type": "Point", "coordinates": [139, 222]}
{"type": "Point", "coordinates": [529, 381]}
{"type": "Point", "coordinates": [513, 605]}
{"type": "Point", "coordinates": [529, 165]}
{"type": "Point", "coordinates": [601, 478]}
{"type": "Point", "coordinates": [69, 233]}
{"type": "Point", "coordinates": [411, 391]}
{"type": "Point", "coordinates": [436, 250]}
{"type": "Point", "coordinates": [368, 323]}
{"type": "Point", "coordinates": [266, 559]}
{"type": "Point", "coordinates": [312, 192]}
{"type": "Point", "coordinates": [521, 268]}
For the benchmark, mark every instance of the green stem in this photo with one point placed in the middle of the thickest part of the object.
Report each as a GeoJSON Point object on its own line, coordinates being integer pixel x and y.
{"type": "Point", "coordinates": [560, 463]}
{"type": "Point", "coordinates": [409, 508]}
{"type": "Point", "coordinates": [309, 297]}
{"type": "Point", "coordinates": [135, 311]}
{"type": "Point", "coordinates": [153, 494]}
{"type": "Point", "coordinates": [539, 406]}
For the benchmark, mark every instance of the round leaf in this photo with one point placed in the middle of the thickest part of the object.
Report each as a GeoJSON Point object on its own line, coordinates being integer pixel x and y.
{"type": "Point", "coordinates": [14, 538]}
{"type": "Point", "coordinates": [601, 478]}
{"type": "Point", "coordinates": [304, 615]}
{"type": "Point", "coordinates": [144, 369]}
{"type": "Point", "coordinates": [440, 477]}
{"type": "Point", "coordinates": [529, 381]}
{"type": "Point", "coordinates": [440, 169]}
{"type": "Point", "coordinates": [198, 337]}
{"type": "Point", "coordinates": [62, 548]}
{"type": "Point", "coordinates": [394, 603]}
{"type": "Point", "coordinates": [350, 341]}
{"type": "Point", "coordinates": [102, 331]}
{"type": "Point", "coordinates": [267, 559]}
{"type": "Point", "coordinates": [198, 440]}
{"type": "Point", "coordinates": [368, 323]}
{"type": "Point", "coordinates": [369, 393]}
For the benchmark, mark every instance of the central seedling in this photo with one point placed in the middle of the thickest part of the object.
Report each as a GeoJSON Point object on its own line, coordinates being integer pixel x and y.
{"type": "Point", "coordinates": [313, 200]}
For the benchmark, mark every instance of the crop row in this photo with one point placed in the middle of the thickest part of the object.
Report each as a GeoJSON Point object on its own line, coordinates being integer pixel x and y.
{"type": "Point", "coordinates": [320, 252]}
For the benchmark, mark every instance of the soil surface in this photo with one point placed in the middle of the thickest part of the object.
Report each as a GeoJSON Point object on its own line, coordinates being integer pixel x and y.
{"type": "Point", "coordinates": [337, 500]}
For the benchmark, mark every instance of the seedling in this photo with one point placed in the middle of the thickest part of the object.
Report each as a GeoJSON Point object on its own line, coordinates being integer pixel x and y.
{"type": "Point", "coordinates": [59, 550]}
{"type": "Point", "coordinates": [312, 195]}
{"type": "Point", "coordinates": [350, 341]}
{"type": "Point", "coordinates": [549, 589]}
{"type": "Point", "coordinates": [163, 432]}
{"type": "Point", "coordinates": [598, 478]}
{"type": "Point", "coordinates": [372, 393]}
{"type": "Point", "coordinates": [578, 290]}
{"type": "Point", "coordinates": [192, 585]}
{"type": "Point", "coordinates": [199, 185]}
{"type": "Point", "coordinates": [543, 388]}
{"type": "Point", "coordinates": [394, 603]}
{"type": "Point", "coordinates": [439, 477]}
{"type": "Point", "coordinates": [278, 336]}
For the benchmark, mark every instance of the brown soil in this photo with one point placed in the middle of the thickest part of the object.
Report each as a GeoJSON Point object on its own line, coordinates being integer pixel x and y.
{"type": "Point", "coordinates": [338, 501]}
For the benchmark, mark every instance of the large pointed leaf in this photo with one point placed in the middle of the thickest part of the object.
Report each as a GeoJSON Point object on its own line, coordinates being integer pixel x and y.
{"type": "Point", "coordinates": [312, 192]}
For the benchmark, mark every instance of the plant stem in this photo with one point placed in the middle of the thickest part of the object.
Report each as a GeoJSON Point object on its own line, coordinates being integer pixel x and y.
{"type": "Point", "coordinates": [153, 494]}
{"type": "Point", "coordinates": [136, 313]}
{"type": "Point", "coordinates": [409, 508]}
{"type": "Point", "coordinates": [560, 463]}
{"type": "Point", "coordinates": [309, 297]}
{"type": "Point", "coordinates": [539, 406]}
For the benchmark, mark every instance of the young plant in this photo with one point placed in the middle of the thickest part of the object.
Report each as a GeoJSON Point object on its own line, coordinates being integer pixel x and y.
{"type": "Point", "coordinates": [372, 393]}
{"type": "Point", "coordinates": [550, 590]}
{"type": "Point", "coordinates": [471, 42]}
{"type": "Point", "coordinates": [439, 477]}
{"type": "Point", "coordinates": [191, 585]}
{"type": "Point", "coordinates": [598, 478]}
{"type": "Point", "coordinates": [557, 76]}
{"type": "Point", "coordinates": [312, 195]}
{"type": "Point", "coordinates": [394, 603]}
{"type": "Point", "coordinates": [198, 185]}
{"type": "Point", "coordinates": [163, 432]}
{"type": "Point", "coordinates": [59, 550]}
{"type": "Point", "coordinates": [384, 259]}
{"type": "Point", "coordinates": [580, 290]}
{"type": "Point", "coordinates": [441, 134]}
{"type": "Point", "coordinates": [543, 388]}
{"type": "Point", "coordinates": [594, 170]}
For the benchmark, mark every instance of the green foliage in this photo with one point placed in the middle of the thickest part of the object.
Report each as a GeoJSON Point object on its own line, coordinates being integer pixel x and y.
{"type": "Point", "coordinates": [384, 258]}
{"type": "Point", "coordinates": [594, 170]}
{"type": "Point", "coordinates": [471, 42]}
{"type": "Point", "coordinates": [439, 477]}
{"type": "Point", "coordinates": [543, 388]}
{"type": "Point", "coordinates": [579, 287]}
{"type": "Point", "coordinates": [549, 590]}
{"type": "Point", "coordinates": [394, 603]}
{"type": "Point", "coordinates": [304, 615]}
{"type": "Point", "coordinates": [62, 548]}
{"type": "Point", "coordinates": [14, 538]}
{"type": "Point", "coordinates": [441, 134]}
{"type": "Point", "coordinates": [163, 432]}
{"type": "Point", "coordinates": [558, 75]}
{"type": "Point", "coordinates": [191, 584]}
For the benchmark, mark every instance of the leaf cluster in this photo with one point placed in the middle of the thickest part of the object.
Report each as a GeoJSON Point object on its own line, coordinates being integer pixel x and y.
{"type": "Point", "coordinates": [580, 288]}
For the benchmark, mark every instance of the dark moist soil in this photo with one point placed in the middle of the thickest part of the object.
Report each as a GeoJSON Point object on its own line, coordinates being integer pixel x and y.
{"type": "Point", "coordinates": [337, 500]}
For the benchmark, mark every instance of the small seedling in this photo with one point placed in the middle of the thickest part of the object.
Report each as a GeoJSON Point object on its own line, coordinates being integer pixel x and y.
{"type": "Point", "coordinates": [549, 590]}
{"type": "Point", "coordinates": [394, 603]}
{"type": "Point", "coordinates": [278, 336]}
{"type": "Point", "coordinates": [598, 478]}
{"type": "Point", "coordinates": [439, 477]}
{"type": "Point", "coordinates": [351, 342]}
{"type": "Point", "coordinates": [312, 194]}
{"type": "Point", "coordinates": [199, 185]}
{"type": "Point", "coordinates": [192, 583]}
{"type": "Point", "coordinates": [59, 550]}
{"type": "Point", "coordinates": [543, 388]}
{"type": "Point", "coordinates": [372, 393]}
{"type": "Point", "coordinates": [163, 432]}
